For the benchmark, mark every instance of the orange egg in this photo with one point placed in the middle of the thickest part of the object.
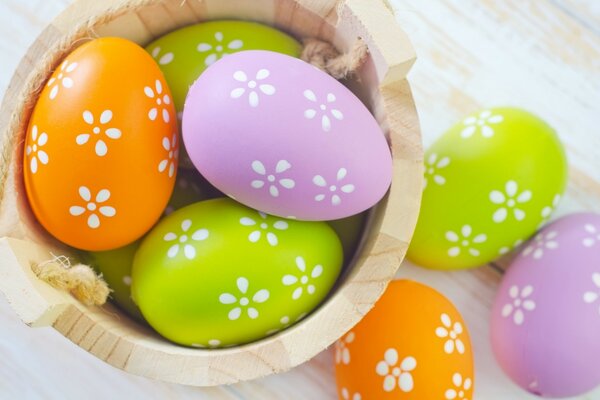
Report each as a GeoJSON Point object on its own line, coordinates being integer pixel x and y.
{"type": "Point", "coordinates": [412, 345]}
{"type": "Point", "coordinates": [101, 148]}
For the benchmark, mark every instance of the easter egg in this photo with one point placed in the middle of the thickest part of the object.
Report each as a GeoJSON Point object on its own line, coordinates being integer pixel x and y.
{"type": "Point", "coordinates": [217, 273]}
{"type": "Point", "coordinates": [546, 315]}
{"type": "Point", "coordinates": [297, 142]}
{"type": "Point", "coordinates": [412, 345]}
{"type": "Point", "coordinates": [185, 53]}
{"type": "Point", "coordinates": [490, 182]}
{"type": "Point", "coordinates": [115, 268]}
{"type": "Point", "coordinates": [100, 150]}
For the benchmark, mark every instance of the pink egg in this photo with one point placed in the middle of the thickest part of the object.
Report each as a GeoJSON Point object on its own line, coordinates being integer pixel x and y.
{"type": "Point", "coordinates": [546, 317]}
{"type": "Point", "coordinates": [281, 136]}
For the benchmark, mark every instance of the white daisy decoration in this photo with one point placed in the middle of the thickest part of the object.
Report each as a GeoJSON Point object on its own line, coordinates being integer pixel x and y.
{"type": "Point", "coordinates": [161, 100]}
{"type": "Point", "coordinates": [162, 58]}
{"type": "Point", "coordinates": [433, 165]}
{"type": "Point", "coordinates": [244, 301]}
{"type": "Point", "coordinates": [95, 208]}
{"type": "Point", "coordinates": [336, 189]}
{"type": "Point", "coordinates": [254, 87]}
{"type": "Point", "coordinates": [590, 297]}
{"type": "Point", "coordinates": [62, 79]}
{"type": "Point", "coordinates": [342, 351]}
{"type": "Point", "coordinates": [211, 344]}
{"type": "Point", "coordinates": [325, 109]}
{"type": "Point", "coordinates": [218, 48]}
{"type": "Point", "coordinates": [451, 333]}
{"type": "Point", "coordinates": [510, 201]}
{"type": "Point", "coordinates": [305, 281]}
{"type": "Point", "coordinates": [541, 244]}
{"type": "Point", "coordinates": [274, 180]}
{"type": "Point", "coordinates": [169, 163]}
{"type": "Point", "coordinates": [593, 235]}
{"type": "Point", "coordinates": [35, 152]}
{"type": "Point", "coordinates": [99, 129]}
{"type": "Point", "coordinates": [461, 388]}
{"type": "Point", "coordinates": [263, 225]}
{"type": "Point", "coordinates": [483, 123]}
{"type": "Point", "coordinates": [347, 396]}
{"type": "Point", "coordinates": [465, 240]}
{"type": "Point", "coordinates": [520, 303]}
{"type": "Point", "coordinates": [396, 374]}
{"type": "Point", "coordinates": [185, 240]}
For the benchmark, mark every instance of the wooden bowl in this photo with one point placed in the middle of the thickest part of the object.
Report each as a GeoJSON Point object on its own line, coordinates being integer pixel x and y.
{"type": "Point", "coordinates": [109, 334]}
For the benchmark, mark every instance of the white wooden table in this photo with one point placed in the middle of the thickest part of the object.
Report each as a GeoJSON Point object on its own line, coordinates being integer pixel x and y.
{"type": "Point", "coordinates": [543, 55]}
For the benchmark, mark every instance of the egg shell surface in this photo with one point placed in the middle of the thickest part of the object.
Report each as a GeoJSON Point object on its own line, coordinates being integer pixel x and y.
{"type": "Point", "coordinates": [491, 181]}
{"type": "Point", "coordinates": [218, 274]}
{"type": "Point", "coordinates": [412, 345]}
{"type": "Point", "coordinates": [546, 315]}
{"type": "Point", "coordinates": [185, 53]}
{"type": "Point", "coordinates": [297, 142]}
{"type": "Point", "coordinates": [95, 163]}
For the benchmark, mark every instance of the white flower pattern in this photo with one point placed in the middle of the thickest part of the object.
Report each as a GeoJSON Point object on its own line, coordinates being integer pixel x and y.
{"type": "Point", "coordinates": [35, 152]}
{"type": "Point", "coordinates": [451, 332]}
{"type": "Point", "coordinates": [62, 79]}
{"type": "Point", "coordinates": [262, 225]}
{"type": "Point", "coordinates": [217, 50]}
{"type": "Point", "coordinates": [336, 189]}
{"type": "Point", "coordinates": [543, 242]}
{"type": "Point", "coordinates": [170, 160]}
{"type": "Point", "coordinates": [244, 303]}
{"type": "Point", "coordinates": [394, 374]}
{"type": "Point", "coordinates": [164, 59]}
{"type": "Point", "coordinates": [162, 101]}
{"type": "Point", "coordinates": [548, 210]}
{"type": "Point", "coordinates": [510, 200]}
{"type": "Point", "coordinates": [252, 85]}
{"type": "Point", "coordinates": [98, 128]}
{"type": "Point", "coordinates": [342, 352]}
{"type": "Point", "coordinates": [465, 241]}
{"type": "Point", "coordinates": [591, 297]}
{"type": "Point", "coordinates": [594, 235]}
{"type": "Point", "coordinates": [460, 389]}
{"type": "Point", "coordinates": [183, 240]}
{"type": "Point", "coordinates": [304, 281]}
{"type": "Point", "coordinates": [519, 303]}
{"type": "Point", "coordinates": [94, 206]}
{"type": "Point", "coordinates": [432, 169]}
{"type": "Point", "coordinates": [346, 395]}
{"type": "Point", "coordinates": [481, 123]}
{"type": "Point", "coordinates": [212, 344]}
{"type": "Point", "coordinates": [273, 180]}
{"type": "Point", "coordinates": [324, 108]}
{"type": "Point", "coordinates": [506, 249]}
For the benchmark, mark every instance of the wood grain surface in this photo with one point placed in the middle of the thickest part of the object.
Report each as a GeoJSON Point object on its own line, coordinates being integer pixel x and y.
{"type": "Point", "coordinates": [542, 55]}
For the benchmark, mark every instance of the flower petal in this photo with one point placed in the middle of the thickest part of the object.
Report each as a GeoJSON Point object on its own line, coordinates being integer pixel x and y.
{"type": "Point", "coordinates": [242, 284]}
{"type": "Point", "coordinates": [257, 184]}
{"type": "Point", "coordinates": [319, 181]}
{"type": "Point", "coordinates": [287, 183]}
{"type": "Point", "coordinates": [596, 279]}
{"type": "Point", "coordinates": [317, 271]}
{"type": "Point", "coordinates": [511, 188]}
{"type": "Point", "coordinates": [261, 296]}
{"type": "Point", "coordinates": [452, 237]}
{"type": "Point", "coordinates": [149, 92]}
{"type": "Point", "coordinates": [391, 356]}
{"type": "Point", "coordinates": [82, 139]}
{"type": "Point", "coordinates": [166, 116]}
{"type": "Point", "coordinates": [310, 95]}
{"type": "Point", "coordinates": [347, 188]}
{"type": "Point", "coordinates": [519, 317]}
{"type": "Point", "coordinates": [325, 123]}
{"type": "Point", "coordinates": [173, 250]}
{"type": "Point", "coordinates": [76, 210]}
{"type": "Point", "coordinates": [247, 221]}
{"type": "Point", "coordinates": [337, 114]}
{"type": "Point", "coordinates": [466, 231]}
{"type": "Point", "coordinates": [152, 114]}
{"type": "Point", "coordinates": [273, 191]}
{"type": "Point", "coordinates": [101, 148]}
{"type": "Point", "coordinates": [525, 196]}
{"type": "Point", "coordinates": [162, 165]}
{"type": "Point", "coordinates": [33, 165]}
{"type": "Point", "coordinates": [527, 291]}
{"type": "Point", "coordinates": [102, 195]}
{"type": "Point", "coordinates": [320, 197]}
{"type": "Point", "coordinates": [258, 167]}
{"type": "Point", "coordinates": [54, 92]}
{"type": "Point", "coordinates": [297, 293]}
{"type": "Point", "coordinates": [203, 47]}
{"type": "Point", "coordinates": [519, 214]}
{"type": "Point", "coordinates": [281, 225]}
{"type": "Point", "coordinates": [480, 238]}
{"type": "Point", "coordinates": [70, 67]}
{"type": "Point", "coordinates": [529, 305]}
{"type": "Point", "coordinates": [454, 252]}
{"type": "Point", "coordinates": [253, 99]}
{"type": "Point", "coordinates": [272, 239]}
{"type": "Point", "coordinates": [189, 251]}
{"type": "Point", "coordinates": [500, 215]}
{"type": "Point", "coordinates": [494, 119]}
{"type": "Point", "coordinates": [405, 382]}
{"type": "Point", "coordinates": [227, 298]}
{"type": "Point", "coordinates": [588, 297]}
{"type": "Point", "coordinates": [507, 310]}
{"type": "Point", "coordinates": [43, 157]}
{"type": "Point", "coordinates": [487, 132]}
{"type": "Point", "coordinates": [106, 117]}
{"type": "Point", "coordinates": [336, 200]}
{"type": "Point", "coordinates": [497, 197]}
{"type": "Point", "coordinates": [301, 264]}
{"type": "Point", "coordinates": [200, 234]}
{"type": "Point", "coordinates": [93, 221]}
{"type": "Point", "coordinates": [108, 211]}
{"type": "Point", "coordinates": [441, 332]}
{"type": "Point", "coordinates": [254, 236]}
{"type": "Point", "coordinates": [234, 314]}
{"type": "Point", "coordinates": [235, 44]}
{"type": "Point", "coordinates": [382, 368]}
{"type": "Point", "coordinates": [252, 313]}
{"type": "Point", "coordinates": [113, 133]}
{"type": "Point", "coordinates": [446, 321]}
{"type": "Point", "coordinates": [468, 132]}
{"type": "Point", "coordinates": [186, 224]}
{"type": "Point", "coordinates": [88, 117]}
{"type": "Point", "coordinates": [282, 166]}
{"type": "Point", "coordinates": [210, 59]}
{"type": "Point", "coordinates": [449, 346]}
{"type": "Point", "coordinates": [457, 380]}
{"type": "Point", "coordinates": [237, 93]}
{"type": "Point", "coordinates": [288, 280]}
{"type": "Point", "coordinates": [240, 76]}
{"type": "Point", "coordinates": [169, 237]}
{"type": "Point", "coordinates": [85, 194]}
{"type": "Point", "coordinates": [460, 346]}
{"type": "Point", "coordinates": [310, 113]}
{"type": "Point", "coordinates": [166, 59]}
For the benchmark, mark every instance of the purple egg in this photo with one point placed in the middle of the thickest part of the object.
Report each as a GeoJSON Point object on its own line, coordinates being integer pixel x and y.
{"type": "Point", "coordinates": [281, 136]}
{"type": "Point", "coordinates": [546, 317]}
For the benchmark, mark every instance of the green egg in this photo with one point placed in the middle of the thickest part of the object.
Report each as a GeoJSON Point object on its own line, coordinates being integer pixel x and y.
{"type": "Point", "coordinates": [115, 265]}
{"type": "Point", "coordinates": [218, 274]}
{"type": "Point", "coordinates": [490, 182]}
{"type": "Point", "coordinates": [185, 53]}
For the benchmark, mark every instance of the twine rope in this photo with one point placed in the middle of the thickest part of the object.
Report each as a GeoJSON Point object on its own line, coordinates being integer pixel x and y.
{"type": "Point", "coordinates": [80, 279]}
